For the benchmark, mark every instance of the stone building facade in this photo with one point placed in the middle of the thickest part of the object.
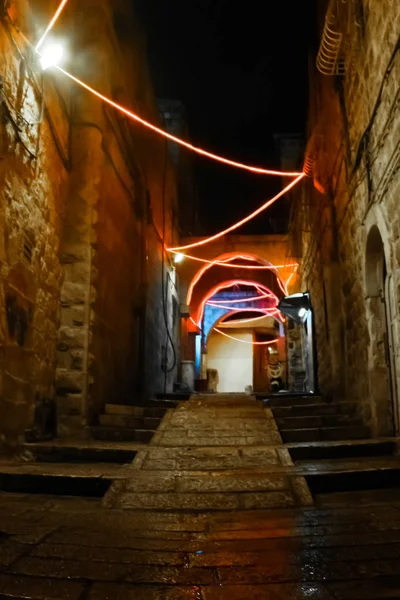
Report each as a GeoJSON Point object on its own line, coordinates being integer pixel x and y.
{"type": "Point", "coordinates": [345, 224]}
{"type": "Point", "coordinates": [87, 200]}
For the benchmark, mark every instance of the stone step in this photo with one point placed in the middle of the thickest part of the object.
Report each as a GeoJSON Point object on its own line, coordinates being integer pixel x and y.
{"type": "Point", "coordinates": [129, 422]}
{"type": "Point", "coordinates": [162, 403]}
{"type": "Point", "coordinates": [81, 451]}
{"type": "Point", "coordinates": [174, 396]}
{"type": "Point", "coordinates": [204, 502]}
{"type": "Point", "coordinates": [276, 401]}
{"type": "Point", "coordinates": [135, 411]}
{"type": "Point", "coordinates": [308, 410]}
{"type": "Point", "coordinates": [67, 479]}
{"type": "Point", "coordinates": [325, 433]}
{"type": "Point", "coordinates": [343, 450]}
{"type": "Point", "coordinates": [317, 421]}
{"type": "Point", "coordinates": [121, 434]}
{"type": "Point", "coordinates": [124, 409]}
{"type": "Point", "coordinates": [122, 421]}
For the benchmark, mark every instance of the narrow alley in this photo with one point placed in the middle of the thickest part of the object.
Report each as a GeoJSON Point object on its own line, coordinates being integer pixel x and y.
{"type": "Point", "coordinates": [199, 300]}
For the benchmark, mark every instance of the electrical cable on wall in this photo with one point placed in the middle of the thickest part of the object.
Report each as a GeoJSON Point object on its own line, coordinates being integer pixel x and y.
{"type": "Point", "coordinates": [164, 288]}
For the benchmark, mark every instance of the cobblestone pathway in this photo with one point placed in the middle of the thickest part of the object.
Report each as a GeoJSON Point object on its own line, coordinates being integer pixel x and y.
{"type": "Point", "coordinates": [212, 509]}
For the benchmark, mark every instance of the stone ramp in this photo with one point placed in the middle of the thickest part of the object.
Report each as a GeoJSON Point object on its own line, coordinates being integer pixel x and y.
{"type": "Point", "coordinates": [213, 452]}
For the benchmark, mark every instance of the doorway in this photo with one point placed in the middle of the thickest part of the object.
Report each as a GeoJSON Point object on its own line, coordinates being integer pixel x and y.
{"type": "Point", "coordinates": [380, 324]}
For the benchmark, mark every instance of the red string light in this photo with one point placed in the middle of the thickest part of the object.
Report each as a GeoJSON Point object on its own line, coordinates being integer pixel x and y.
{"type": "Point", "coordinates": [227, 284]}
{"type": "Point", "coordinates": [51, 24]}
{"type": "Point", "coordinates": [240, 321]}
{"type": "Point", "coordinates": [210, 264]}
{"type": "Point", "coordinates": [176, 139]}
{"type": "Point", "coordinates": [235, 265]}
{"type": "Point", "coordinates": [232, 308]}
{"type": "Point", "coordinates": [242, 221]}
{"type": "Point", "coordinates": [235, 301]}
{"type": "Point", "coordinates": [245, 341]}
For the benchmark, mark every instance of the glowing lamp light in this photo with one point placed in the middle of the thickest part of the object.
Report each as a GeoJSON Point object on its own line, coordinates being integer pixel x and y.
{"type": "Point", "coordinates": [51, 56]}
{"type": "Point", "coordinates": [178, 258]}
{"type": "Point", "coordinates": [296, 306]}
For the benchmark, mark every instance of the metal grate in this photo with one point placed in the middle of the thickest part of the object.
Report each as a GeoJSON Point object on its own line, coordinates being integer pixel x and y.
{"type": "Point", "coordinates": [330, 58]}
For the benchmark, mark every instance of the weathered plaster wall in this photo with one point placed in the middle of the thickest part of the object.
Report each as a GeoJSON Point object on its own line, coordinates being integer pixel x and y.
{"type": "Point", "coordinates": [355, 143]}
{"type": "Point", "coordinates": [233, 360]}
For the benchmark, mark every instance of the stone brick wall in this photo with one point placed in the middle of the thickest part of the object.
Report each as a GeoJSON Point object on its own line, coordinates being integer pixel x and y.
{"type": "Point", "coordinates": [79, 256]}
{"type": "Point", "coordinates": [34, 151]}
{"type": "Point", "coordinates": [354, 127]}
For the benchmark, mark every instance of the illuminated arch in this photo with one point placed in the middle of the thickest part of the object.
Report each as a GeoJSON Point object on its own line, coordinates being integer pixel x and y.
{"type": "Point", "coordinates": [229, 257]}
{"type": "Point", "coordinates": [230, 283]}
{"type": "Point", "coordinates": [220, 320]}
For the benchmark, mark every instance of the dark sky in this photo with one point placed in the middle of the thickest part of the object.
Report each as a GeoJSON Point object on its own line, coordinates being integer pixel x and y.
{"type": "Point", "coordinates": [240, 69]}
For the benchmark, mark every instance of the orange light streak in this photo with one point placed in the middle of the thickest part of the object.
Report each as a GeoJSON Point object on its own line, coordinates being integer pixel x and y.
{"type": "Point", "coordinates": [290, 277]}
{"type": "Point", "coordinates": [51, 24]}
{"type": "Point", "coordinates": [240, 321]}
{"type": "Point", "coordinates": [243, 221]}
{"type": "Point", "coordinates": [208, 266]}
{"type": "Point", "coordinates": [234, 265]}
{"type": "Point", "coordinates": [194, 322]}
{"type": "Point", "coordinates": [245, 341]}
{"type": "Point", "coordinates": [283, 286]}
{"type": "Point", "coordinates": [178, 140]}
{"type": "Point", "coordinates": [227, 284]}
{"type": "Point", "coordinates": [199, 275]}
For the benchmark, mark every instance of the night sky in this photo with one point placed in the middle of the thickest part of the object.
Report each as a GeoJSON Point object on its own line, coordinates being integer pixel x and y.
{"type": "Point", "coordinates": [240, 69]}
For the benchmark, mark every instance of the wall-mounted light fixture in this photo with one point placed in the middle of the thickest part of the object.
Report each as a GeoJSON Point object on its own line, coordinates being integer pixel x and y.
{"type": "Point", "coordinates": [295, 306]}
{"type": "Point", "coordinates": [178, 258]}
{"type": "Point", "coordinates": [51, 55]}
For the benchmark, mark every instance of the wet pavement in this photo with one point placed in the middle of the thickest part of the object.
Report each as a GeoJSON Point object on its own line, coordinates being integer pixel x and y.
{"type": "Point", "coordinates": [213, 508]}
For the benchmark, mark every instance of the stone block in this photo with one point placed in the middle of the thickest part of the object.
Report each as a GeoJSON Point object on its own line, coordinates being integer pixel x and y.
{"type": "Point", "coordinates": [71, 337]}
{"type": "Point", "coordinates": [70, 382]}
{"type": "Point", "coordinates": [140, 592]}
{"type": "Point", "coordinates": [71, 427]}
{"type": "Point", "coordinates": [38, 587]}
{"type": "Point", "coordinates": [73, 293]}
{"type": "Point", "coordinates": [71, 404]}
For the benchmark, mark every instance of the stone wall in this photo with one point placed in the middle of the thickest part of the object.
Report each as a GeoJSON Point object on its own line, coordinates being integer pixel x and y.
{"type": "Point", "coordinates": [34, 165]}
{"type": "Point", "coordinates": [354, 127]}
{"type": "Point", "coordinates": [81, 221]}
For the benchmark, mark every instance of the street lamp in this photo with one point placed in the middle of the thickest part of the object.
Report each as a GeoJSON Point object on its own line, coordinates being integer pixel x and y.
{"type": "Point", "coordinates": [178, 258]}
{"type": "Point", "coordinates": [51, 55]}
{"type": "Point", "coordinates": [296, 306]}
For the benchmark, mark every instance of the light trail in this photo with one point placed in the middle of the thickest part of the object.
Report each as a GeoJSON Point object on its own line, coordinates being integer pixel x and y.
{"type": "Point", "coordinates": [233, 308]}
{"type": "Point", "coordinates": [245, 341]}
{"type": "Point", "coordinates": [51, 24]}
{"type": "Point", "coordinates": [240, 321]}
{"type": "Point", "coordinates": [208, 266]}
{"type": "Point", "coordinates": [243, 221]}
{"type": "Point", "coordinates": [236, 301]}
{"type": "Point", "coordinates": [177, 140]}
{"type": "Point", "coordinates": [227, 284]}
{"type": "Point", "coordinates": [234, 265]}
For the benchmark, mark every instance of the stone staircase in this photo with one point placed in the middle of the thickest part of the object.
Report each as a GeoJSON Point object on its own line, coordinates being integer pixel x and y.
{"type": "Point", "coordinates": [334, 450]}
{"type": "Point", "coordinates": [125, 423]}
{"type": "Point", "coordinates": [86, 465]}
{"type": "Point", "coordinates": [311, 419]}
